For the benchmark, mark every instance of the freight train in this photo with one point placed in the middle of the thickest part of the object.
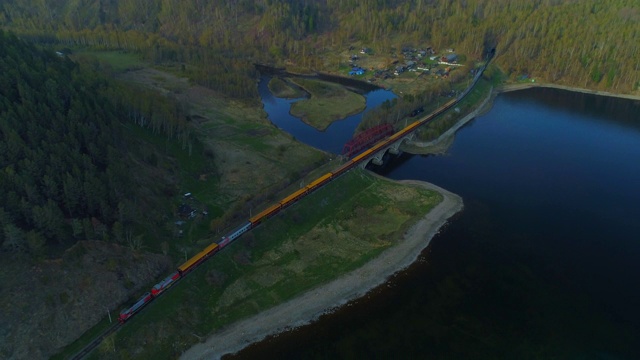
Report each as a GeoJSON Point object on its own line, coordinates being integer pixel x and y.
{"type": "Point", "coordinates": [254, 221]}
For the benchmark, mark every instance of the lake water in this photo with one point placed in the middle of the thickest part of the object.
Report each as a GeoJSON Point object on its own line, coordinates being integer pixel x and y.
{"type": "Point", "coordinates": [544, 261]}
{"type": "Point", "coordinates": [334, 137]}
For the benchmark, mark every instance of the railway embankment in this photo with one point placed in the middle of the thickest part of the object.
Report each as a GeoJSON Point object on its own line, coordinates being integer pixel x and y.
{"type": "Point", "coordinates": [442, 142]}
{"type": "Point", "coordinates": [323, 299]}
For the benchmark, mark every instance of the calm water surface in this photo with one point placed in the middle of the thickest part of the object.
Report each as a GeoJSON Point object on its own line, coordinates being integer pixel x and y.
{"type": "Point", "coordinates": [544, 262]}
{"type": "Point", "coordinates": [334, 137]}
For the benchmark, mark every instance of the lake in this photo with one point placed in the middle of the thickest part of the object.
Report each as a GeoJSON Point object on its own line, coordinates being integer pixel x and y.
{"type": "Point", "coordinates": [543, 262]}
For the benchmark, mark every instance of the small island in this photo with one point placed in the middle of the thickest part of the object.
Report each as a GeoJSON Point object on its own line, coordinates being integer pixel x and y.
{"type": "Point", "coordinates": [328, 103]}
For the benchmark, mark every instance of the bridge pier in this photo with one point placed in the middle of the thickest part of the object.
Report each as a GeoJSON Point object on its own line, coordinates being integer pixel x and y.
{"type": "Point", "coordinates": [378, 159]}
{"type": "Point", "coordinates": [394, 149]}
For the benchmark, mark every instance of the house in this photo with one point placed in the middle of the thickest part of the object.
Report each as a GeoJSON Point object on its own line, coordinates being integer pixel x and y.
{"type": "Point", "coordinates": [365, 51]}
{"type": "Point", "coordinates": [357, 71]}
{"type": "Point", "coordinates": [451, 58]}
{"type": "Point", "coordinates": [399, 70]}
{"type": "Point", "coordinates": [410, 64]}
{"type": "Point", "coordinates": [185, 210]}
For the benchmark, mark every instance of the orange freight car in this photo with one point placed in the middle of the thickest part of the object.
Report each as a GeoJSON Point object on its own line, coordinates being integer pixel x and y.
{"type": "Point", "coordinates": [293, 197]}
{"type": "Point", "coordinates": [265, 214]}
{"type": "Point", "coordinates": [319, 181]}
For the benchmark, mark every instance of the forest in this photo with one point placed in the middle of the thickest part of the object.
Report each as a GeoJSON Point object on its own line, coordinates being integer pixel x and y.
{"type": "Point", "coordinates": [52, 106]}
{"type": "Point", "coordinates": [589, 43]}
{"type": "Point", "coordinates": [66, 155]}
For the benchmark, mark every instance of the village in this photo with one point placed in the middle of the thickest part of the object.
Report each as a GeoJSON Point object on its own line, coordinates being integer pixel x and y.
{"type": "Point", "coordinates": [406, 65]}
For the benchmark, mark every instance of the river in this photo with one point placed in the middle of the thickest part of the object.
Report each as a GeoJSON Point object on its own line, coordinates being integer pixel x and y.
{"type": "Point", "coordinates": [543, 261]}
{"type": "Point", "coordinates": [334, 137]}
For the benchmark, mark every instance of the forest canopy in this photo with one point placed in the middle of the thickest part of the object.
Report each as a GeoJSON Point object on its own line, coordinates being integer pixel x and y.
{"type": "Point", "coordinates": [65, 157]}
{"type": "Point", "coordinates": [586, 43]}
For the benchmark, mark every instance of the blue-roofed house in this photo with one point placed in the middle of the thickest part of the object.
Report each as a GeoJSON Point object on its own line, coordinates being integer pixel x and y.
{"type": "Point", "coordinates": [357, 71]}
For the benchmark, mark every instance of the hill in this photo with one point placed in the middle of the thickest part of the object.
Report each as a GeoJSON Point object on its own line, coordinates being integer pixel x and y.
{"type": "Point", "coordinates": [582, 43]}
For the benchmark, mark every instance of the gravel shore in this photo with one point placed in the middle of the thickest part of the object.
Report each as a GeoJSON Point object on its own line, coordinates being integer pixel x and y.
{"type": "Point", "coordinates": [312, 304]}
{"type": "Point", "coordinates": [516, 87]}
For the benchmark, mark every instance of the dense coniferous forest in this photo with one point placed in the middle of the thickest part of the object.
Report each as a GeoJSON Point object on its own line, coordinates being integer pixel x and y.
{"type": "Point", "coordinates": [65, 158]}
{"type": "Point", "coordinates": [588, 43]}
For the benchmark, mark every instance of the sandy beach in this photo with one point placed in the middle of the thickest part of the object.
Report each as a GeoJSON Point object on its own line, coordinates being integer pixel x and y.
{"type": "Point", "coordinates": [312, 304]}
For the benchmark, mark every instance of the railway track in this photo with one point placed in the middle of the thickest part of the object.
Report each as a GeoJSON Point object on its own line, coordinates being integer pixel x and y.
{"type": "Point", "coordinates": [213, 248]}
{"type": "Point", "coordinates": [97, 341]}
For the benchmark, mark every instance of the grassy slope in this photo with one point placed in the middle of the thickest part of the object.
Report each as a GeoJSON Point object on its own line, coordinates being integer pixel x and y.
{"type": "Point", "coordinates": [328, 102]}
{"type": "Point", "coordinates": [282, 89]}
{"type": "Point", "coordinates": [119, 61]}
{"type": "Point", "coordinates": [334, 230]}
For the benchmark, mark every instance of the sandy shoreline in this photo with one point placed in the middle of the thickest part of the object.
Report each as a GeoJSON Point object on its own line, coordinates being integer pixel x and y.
{"type": "Point", "coordinates": [314, 303]}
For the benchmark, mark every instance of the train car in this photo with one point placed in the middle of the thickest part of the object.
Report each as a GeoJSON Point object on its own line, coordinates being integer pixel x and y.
{"type": "Point", "coordinates": [293, 197]}
{"type": "Point", "coordinates": [406, 130]}
{"type": "Point", "coordinates": [234, 234]}
{"type": "Point", "coordinates": [165, 284]}
{"type": "Point", "coordinates": [319, 181]}
{"type": "Point", "coordinates": [342, 169]}
{"type": "Point", "coordinates": [378, 146]}
{"type": "Point", "coordinates": [273, 209]}
{"type": "Point", "coordinates": [198, 258]}
{"type": "Point", "coordinates": [128, 313]}
{"type": "Point", "coordinates": [362, 156]}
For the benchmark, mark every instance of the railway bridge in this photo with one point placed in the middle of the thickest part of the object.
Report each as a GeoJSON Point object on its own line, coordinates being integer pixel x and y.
{"type": "Point", "coordinates": [393, 148]}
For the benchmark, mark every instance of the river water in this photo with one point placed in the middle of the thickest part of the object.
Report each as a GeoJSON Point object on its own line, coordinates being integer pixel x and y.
{"type": "Point", "coordinates": [544, 262]}
{"type": "Point", "coordinates": [334, 137]}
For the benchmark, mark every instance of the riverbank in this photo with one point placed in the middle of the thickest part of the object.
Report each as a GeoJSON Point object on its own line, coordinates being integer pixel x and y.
{"type": "Point", "coordinates": [314, 303]}
{"type": "Point", "coordinates": [516, 87]}
{"type": "Point", "coordinates": [444, 141]}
